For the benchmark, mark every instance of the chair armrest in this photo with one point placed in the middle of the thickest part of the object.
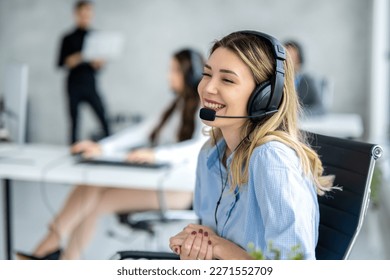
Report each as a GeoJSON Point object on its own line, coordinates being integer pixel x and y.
{"type": "Point", "coordinates": [148, 255]}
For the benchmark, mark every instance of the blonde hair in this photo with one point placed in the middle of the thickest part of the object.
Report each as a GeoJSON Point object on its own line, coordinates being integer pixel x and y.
{"type": "Point", "coordinates": [282, 126]}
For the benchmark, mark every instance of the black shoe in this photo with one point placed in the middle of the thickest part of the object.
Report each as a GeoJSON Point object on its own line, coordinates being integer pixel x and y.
{"type": "Point", "coordinates": [51, 256]}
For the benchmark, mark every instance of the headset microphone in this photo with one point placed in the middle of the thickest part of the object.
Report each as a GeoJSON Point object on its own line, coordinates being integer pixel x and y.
{"type": "Point", "coordinates": [210, 115]}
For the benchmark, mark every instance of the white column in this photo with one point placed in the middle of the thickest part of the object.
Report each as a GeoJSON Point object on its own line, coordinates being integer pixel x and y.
{"type": "Point", "coordinates": [379, 90]}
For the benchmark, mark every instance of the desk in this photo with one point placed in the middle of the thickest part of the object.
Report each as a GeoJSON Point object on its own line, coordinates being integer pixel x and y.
{"type": "Point", "coordinates": [334, 124]}
{"type": "Point", "coordinates": [53, 164]}
{"type": "Point", "coordinates": [26, 163]}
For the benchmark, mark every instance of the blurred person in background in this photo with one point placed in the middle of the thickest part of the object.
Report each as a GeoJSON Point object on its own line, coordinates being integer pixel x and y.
{"type": "Point", "coordinates": [81, 84]}
{"type": "Point", "coordinates": [308, 87]}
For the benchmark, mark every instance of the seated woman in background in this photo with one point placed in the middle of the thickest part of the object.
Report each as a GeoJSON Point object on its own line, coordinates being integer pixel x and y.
{"type": "Point", "coordinates": [176, 138]}
{"type": "Point", "coordinates": [257, 181]}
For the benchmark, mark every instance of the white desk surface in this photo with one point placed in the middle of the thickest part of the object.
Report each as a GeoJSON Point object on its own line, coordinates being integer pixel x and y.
{"type": "Point", "coordinates": [54, 164]}
{"type": "Point", "coordinates": [334, 124]}
{"type": "Point", "coordinates": [27, 162]}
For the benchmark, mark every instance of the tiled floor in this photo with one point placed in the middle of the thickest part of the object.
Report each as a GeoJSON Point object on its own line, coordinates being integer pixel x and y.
{"type": "Point", "coordinates": [34, 205]}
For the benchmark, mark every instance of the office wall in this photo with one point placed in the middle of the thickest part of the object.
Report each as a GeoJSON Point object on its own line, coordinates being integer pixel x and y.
{"type": "Point", "coordinates": [335, 34]}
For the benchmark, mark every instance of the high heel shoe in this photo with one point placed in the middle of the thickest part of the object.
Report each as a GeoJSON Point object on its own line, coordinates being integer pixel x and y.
{"type": "Point", "coordinates": [55, 255]}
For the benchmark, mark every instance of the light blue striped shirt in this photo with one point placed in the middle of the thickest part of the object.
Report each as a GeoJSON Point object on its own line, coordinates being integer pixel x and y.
{"type": "Point", "coordinates": [278, 205]}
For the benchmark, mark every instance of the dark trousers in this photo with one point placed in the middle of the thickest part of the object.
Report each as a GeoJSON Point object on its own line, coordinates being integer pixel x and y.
{"type": "Point", "coordinates": [90, 96]}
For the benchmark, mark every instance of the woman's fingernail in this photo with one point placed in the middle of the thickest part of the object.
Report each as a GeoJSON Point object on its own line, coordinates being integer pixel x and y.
{"type": "Point", "coordinates": [200, 231]}
{"type": "Point", "coordinates": [209, 242]}
{"type": "Point", "coordinates": [176, 250]}
{"type": "Point", "coordinates": [206, 233]}
{"type": "Point", "coordinates": [193, 233]}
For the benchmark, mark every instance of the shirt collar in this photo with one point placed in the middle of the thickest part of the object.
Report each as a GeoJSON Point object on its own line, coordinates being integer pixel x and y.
{"type": "Point", "coordinates": [216, 151]}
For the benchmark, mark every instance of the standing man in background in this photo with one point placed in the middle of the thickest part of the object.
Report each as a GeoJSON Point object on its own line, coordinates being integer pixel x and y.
{"type": "Point", "coordinates": [81, 82]}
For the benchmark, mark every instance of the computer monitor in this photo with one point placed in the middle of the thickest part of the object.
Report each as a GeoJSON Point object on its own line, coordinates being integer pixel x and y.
{"type": "Point", "coordinates": [15, 101]}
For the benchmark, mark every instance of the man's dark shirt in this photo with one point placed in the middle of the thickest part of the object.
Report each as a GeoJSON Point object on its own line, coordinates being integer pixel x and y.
{"type": "Point", "coordinates": [83, 74]}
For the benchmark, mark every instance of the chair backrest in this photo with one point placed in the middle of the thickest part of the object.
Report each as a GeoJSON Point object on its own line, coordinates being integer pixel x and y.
{"type": "Point", "coordinates": [342, 212]}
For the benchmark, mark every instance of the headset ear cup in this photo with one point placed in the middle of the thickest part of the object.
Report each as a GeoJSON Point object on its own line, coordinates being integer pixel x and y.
{"type": "Point", "coordinates": [196, 68]}
{"type": "Point", "coordinates": [259, 99]}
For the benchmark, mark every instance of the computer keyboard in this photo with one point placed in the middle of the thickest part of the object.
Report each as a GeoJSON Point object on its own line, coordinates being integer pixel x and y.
{"type": "Point", "coordinates": [122, 163]}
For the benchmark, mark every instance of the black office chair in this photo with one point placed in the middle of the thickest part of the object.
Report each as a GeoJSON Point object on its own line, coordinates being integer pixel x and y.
{"type": "Point", "coordinates": [152, 221]}
{"type": "Point", "coordinates": [147, 220]}
{"type": "Point", "coordinates": [342, 211]}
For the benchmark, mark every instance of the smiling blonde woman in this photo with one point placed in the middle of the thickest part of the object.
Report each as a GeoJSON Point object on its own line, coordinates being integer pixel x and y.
{"type": "Point", "coordinates": [257, 179]}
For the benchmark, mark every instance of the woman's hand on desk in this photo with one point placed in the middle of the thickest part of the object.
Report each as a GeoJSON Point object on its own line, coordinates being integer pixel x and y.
{"type": "Point", "coordinates": [87, 148]}
{"type": "Point", "coordinates": [188, 243]}
{"type": "Point", "coordinates": [143, 155]}
{"type": "Point", "coordinates": [193, 243]}
{"type": "Point", "coordinates": [197, 246]}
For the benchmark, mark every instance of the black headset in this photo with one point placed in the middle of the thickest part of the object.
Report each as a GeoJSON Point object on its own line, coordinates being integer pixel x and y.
{"type": "Point", "coordinates": [195, 72]}
{"type": "Point", "coordinates": [267, 96]}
